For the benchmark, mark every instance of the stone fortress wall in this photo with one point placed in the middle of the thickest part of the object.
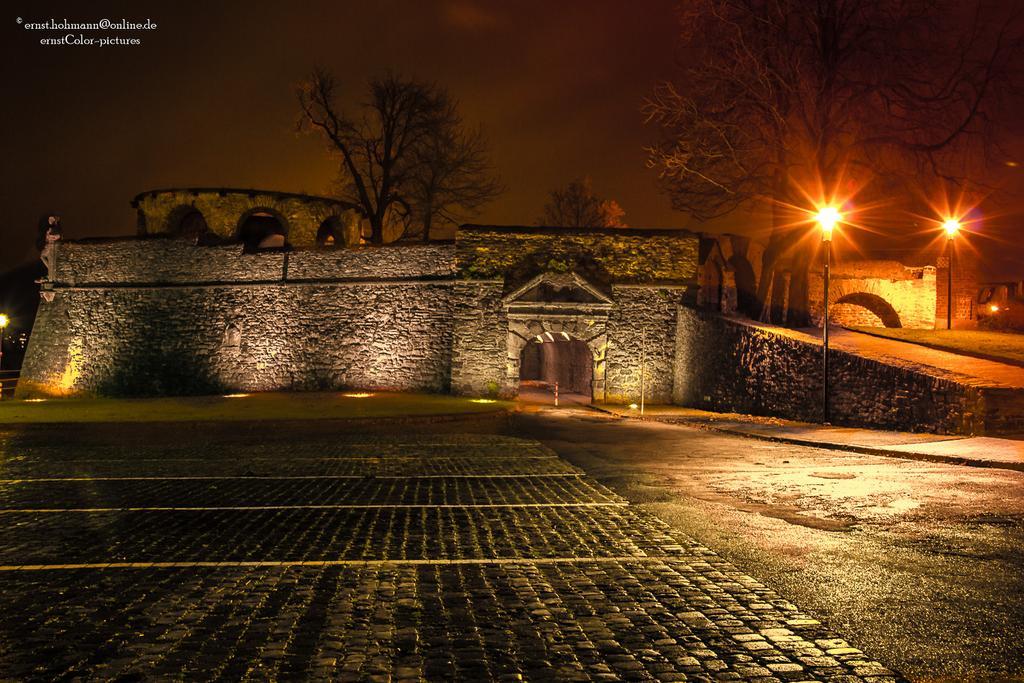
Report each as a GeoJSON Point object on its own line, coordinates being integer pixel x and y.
{"type": "Point", "coordinates": [161, 316]}
{"type": "Point", "coordinates": [164, 314]}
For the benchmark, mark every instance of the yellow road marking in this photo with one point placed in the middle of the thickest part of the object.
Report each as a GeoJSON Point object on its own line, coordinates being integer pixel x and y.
{"type": "Point", "coordinates": [33, 480]}
{"type": "Point", "coordinates": [368, 506]}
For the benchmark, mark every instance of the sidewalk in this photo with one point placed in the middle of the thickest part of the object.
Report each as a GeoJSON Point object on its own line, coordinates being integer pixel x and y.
{"type": "Point", "coordinates": [976, 451]}
{"type": "Point", "coordinates": [968, 370]}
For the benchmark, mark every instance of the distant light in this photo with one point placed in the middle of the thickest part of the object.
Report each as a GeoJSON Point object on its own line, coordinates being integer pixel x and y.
{"type": "Point", "coordinates": [828, 217]}
{"type": "Point", "coordinates": [34, 400]}
{"type": "Point", "coordinates": [482, 400]}
{"type": "Point", "coordinates": [359, 395]}
{"type": "Point", "coordinates": [235, 395]}
{"type": "Point", "coordinates": [1012, 164]}
{"type": "Point", "coordinates": [951, 226]}
{"type": "Point", "coordinates": [633, 406]}
{"type": "Point", "coordinates": [4, 320]}
{"type": "Point", "coordinates": [994, 308]}
{"type": "Point", "coordinates": [566, 335]}
{"type": "Point", "coordinates": [540, 339]}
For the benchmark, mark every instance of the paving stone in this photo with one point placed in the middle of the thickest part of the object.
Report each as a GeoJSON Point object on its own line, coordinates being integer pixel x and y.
{"type": "Point", "coordinates": [563, 581]}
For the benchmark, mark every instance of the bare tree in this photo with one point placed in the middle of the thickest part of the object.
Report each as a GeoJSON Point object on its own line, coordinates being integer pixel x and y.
{"type": "Point", "coordinates": [789, 97]}
{"type": "Point", "coordinates": [405, 157]}
{"type": "Point", "coordinates": [576, 206]}
{"type": "Point", "coordinates": [453, 176]}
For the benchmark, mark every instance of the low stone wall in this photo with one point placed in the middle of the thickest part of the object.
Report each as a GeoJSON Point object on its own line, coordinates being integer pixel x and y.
{"type": "Point", "coordinates": [732, 366]}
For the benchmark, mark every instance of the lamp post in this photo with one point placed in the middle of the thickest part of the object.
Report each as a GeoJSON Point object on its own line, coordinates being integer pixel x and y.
{"type": "Point", "coordinates": [4, 320]}
{"type": "Point", "coordinates": [643, 366]}
{"type": "Point", "coordinates": [952, 227]}
{"type": "Point", "coordinates": [827, 218]}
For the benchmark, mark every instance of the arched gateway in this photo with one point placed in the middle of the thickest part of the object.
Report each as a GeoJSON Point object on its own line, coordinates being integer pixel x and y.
{"type": "Point", "coordinates": [563, 309]}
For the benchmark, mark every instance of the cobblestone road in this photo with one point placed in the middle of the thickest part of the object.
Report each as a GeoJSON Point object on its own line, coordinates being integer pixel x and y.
{"type": "Point", "coordinates": [439, 557]}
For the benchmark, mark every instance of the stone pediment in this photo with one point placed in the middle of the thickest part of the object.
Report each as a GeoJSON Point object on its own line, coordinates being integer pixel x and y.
{"type": "Point", "coordinates": [559, 290]}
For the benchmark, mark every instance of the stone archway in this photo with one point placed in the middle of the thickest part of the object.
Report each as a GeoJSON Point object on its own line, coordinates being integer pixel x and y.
{"type": "Point", "coordinates": [186, 222]}
{"type": "Point", "coordinates": [570, 330]}
{"type": "Point", "coordinates": [558, 305]}
{"type": "Point", "coordinates": [262, 228]}
{"type": "Point", "coordinates": [330, 233]}
{"type": "Point", "coordinates": [861, 309]}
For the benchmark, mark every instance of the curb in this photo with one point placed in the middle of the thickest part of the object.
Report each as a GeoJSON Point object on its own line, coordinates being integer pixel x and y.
{"type": "Point", "coordinates": [852, 448]}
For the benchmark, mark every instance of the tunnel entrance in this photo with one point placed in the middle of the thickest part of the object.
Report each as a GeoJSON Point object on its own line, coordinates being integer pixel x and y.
{"type": "Point", "coordinates": [556, 358]}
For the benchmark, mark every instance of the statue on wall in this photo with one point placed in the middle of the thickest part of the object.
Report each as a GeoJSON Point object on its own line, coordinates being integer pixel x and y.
{"type": "Point", "coordinates": [48, 233]}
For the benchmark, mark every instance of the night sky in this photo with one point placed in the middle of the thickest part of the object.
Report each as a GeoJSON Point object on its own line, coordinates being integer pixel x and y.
{"type": "Point", "coordinates": [208, 99]}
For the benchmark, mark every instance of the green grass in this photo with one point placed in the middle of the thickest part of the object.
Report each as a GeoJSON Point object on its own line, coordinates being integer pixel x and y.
{"type": "Point", "coordinates": [1006, 346]}
{"type": "Point", "coordinates": [266, 406]}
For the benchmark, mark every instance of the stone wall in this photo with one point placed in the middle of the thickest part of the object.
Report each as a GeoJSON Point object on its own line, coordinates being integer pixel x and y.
{"type": "Point", "coordinates": [617, 255]}
{"type": "Point", "coordinates": [155, 317]}
{"type": "Point", "coordinates": [224, 208]}
{"type": "Point", "coordinates": [163, 316]}
{"type": "Point", "coordinates": [641, 334]}
{"type": "Point", "coordinates": [732, 366]}
{"type": "Point", "coordinates": [646, 274]}
{"type": "Point", "coordinates": [160, 260]}
{"type": "Point", "coordinates": [480, 340]}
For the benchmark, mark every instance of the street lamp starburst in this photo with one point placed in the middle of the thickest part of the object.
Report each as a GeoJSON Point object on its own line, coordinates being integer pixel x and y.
{"type": "Point", "coordinates": [828, 217]}
{"type": "Point", "coordinates": [951, 226]}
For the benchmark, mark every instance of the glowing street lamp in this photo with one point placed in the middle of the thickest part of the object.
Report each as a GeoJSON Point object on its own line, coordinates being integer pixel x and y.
{"type": "Point", "coordinates": [952, 227]}
{"type": "Point", "coordinates": [828, 217]}
{"type": "Point", "coordinates": [4, 321]}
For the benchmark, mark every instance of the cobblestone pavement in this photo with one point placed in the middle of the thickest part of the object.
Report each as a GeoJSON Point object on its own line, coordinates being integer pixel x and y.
{"type": "Point", "coordinates": [430, 558]}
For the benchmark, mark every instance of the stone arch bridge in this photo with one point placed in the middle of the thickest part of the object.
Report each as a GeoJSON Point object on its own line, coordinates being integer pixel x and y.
{"type": "Point", "coordinates": [875, 294]}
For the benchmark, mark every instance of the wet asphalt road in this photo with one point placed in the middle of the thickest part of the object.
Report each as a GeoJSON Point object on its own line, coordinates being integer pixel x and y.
{"type": "Point", "coordinates": [920, 564]}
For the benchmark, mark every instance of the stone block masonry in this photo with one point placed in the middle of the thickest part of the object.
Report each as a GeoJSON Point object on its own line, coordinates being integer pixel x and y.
{"type": "Point", "coordinates": [641, 333]}
{"type": "Point", "coordinates": [159, 317]}
{"type": "Point", "coordinates": [733, 366]}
